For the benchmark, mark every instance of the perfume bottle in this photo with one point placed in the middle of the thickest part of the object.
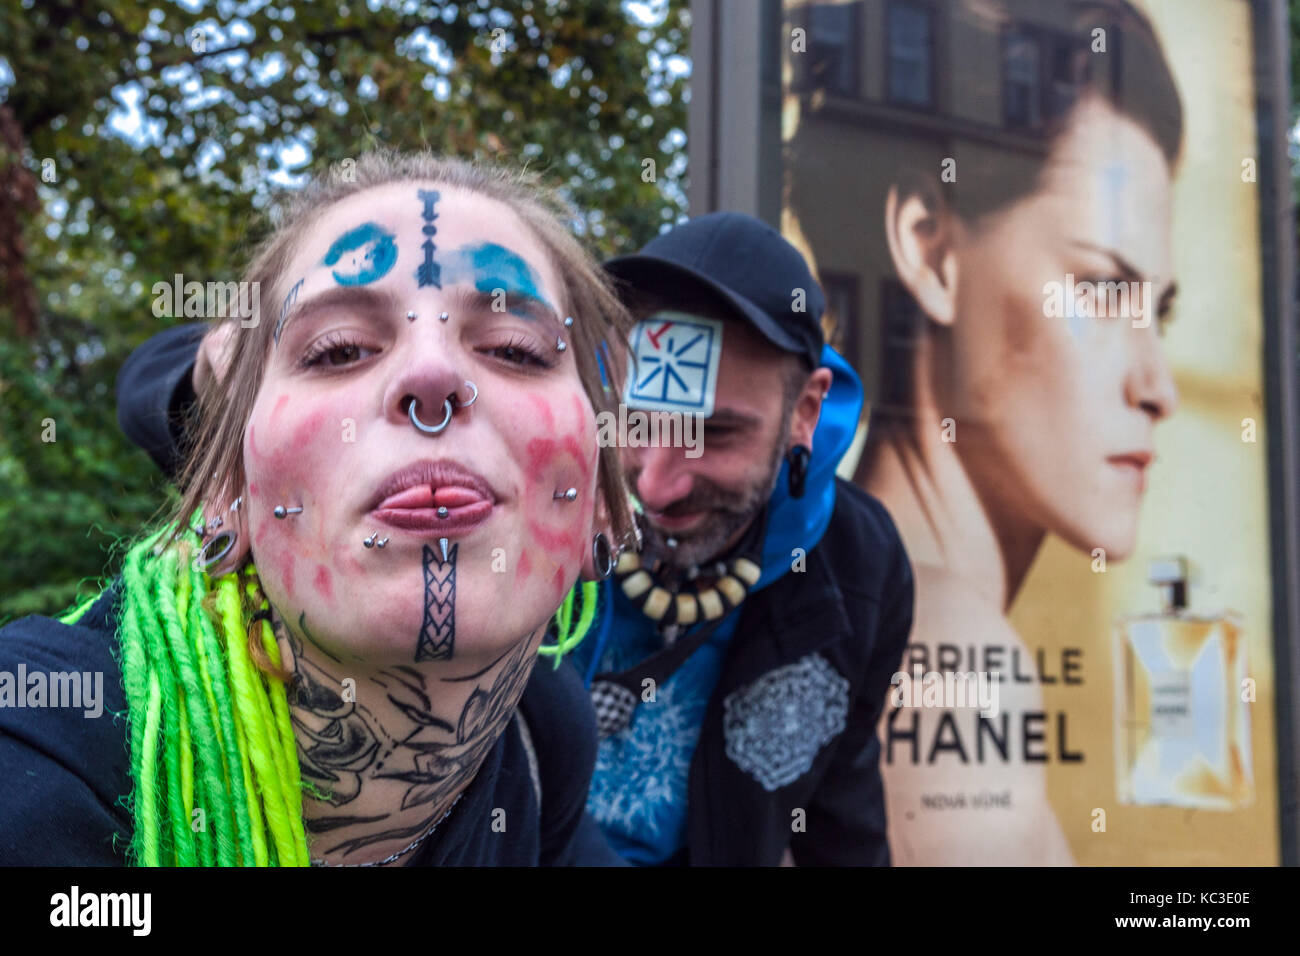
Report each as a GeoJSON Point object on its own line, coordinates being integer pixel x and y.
{"type": "Point", "coordinates": [1182, 730]}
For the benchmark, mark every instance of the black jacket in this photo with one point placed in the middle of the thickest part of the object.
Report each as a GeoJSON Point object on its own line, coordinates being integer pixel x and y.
{"type": "Point", "coordinates": [834, 635]}
{"type": "Point", "coordinates": [63, 774]}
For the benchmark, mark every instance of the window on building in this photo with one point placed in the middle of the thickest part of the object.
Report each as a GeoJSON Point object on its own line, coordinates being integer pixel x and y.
{"type": "Point", "coordinates": [910, 29]}
{"type": "Point", "coordinates": [834, 51]}
{"type": "Point", "coordinates": [1022, 94]}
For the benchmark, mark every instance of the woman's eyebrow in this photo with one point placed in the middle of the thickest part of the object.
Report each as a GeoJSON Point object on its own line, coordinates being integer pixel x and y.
{"type": "Point", "coordinates": [498, 301]}
{"type": "Point", "coordinates": [372, 303]}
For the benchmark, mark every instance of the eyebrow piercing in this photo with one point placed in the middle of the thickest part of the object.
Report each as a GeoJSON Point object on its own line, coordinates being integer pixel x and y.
{"type": "Point", "coordinates": [569, 495]}
{"type": "Point", "coordinates": [410, 316]}
{"type": "Point", "coordinates": [281, 511]}
{"type": "Point", "coordinates": [560, 345]}
{"type": "Point", "coordinates": [568, 321]}
{"type": "Point", "coordinates": [443, 317]}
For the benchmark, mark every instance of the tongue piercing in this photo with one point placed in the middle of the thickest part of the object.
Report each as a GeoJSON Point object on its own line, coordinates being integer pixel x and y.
{"type": "Point", "coordinates": [281, 511]}
{"type": "Point", "coordinates": [569, 495]}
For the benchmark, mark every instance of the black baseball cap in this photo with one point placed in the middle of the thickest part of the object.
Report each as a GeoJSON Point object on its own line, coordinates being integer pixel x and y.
{"type": "Point", "coordinates": [744, 262]}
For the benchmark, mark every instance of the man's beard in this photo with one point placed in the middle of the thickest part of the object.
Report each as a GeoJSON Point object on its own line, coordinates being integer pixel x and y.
{"type": "Point", "coordinates": [727, 511]}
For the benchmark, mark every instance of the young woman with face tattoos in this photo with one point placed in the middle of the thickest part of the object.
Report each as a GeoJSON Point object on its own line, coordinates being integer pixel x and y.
{"type": "Point", "coordinates": [386, 512]}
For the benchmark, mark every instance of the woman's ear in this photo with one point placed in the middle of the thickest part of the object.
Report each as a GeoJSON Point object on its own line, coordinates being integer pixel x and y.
{"type": "Point", "coordinates": [228, 541]}
{"type": "Point", "coordinates": [600, 524]}
{"type": "Point", "coordinates": [921, 238]}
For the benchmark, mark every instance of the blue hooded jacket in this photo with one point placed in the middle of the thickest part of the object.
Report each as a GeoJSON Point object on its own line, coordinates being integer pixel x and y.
{"type": "Point", "coordinates": [639, 790]}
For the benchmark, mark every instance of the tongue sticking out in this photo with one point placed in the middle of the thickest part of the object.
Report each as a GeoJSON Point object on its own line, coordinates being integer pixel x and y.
{"type": "Point", "coordinates": [426, 496]}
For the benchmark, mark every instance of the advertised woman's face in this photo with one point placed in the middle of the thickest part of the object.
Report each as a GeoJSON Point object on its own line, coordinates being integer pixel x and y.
{"type": "Point", "coordinates": [331, 432]}
{"type": "Point", "coordinates": [1056, 393]}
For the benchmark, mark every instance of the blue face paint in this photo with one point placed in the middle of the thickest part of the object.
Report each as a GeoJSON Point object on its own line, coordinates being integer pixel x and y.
{"type": "Point", "coordinates": [491, 267]}
{"type": "Point", "coordinates": [429, 272]}
{"type": "Point", "coordinates": [363, 255]}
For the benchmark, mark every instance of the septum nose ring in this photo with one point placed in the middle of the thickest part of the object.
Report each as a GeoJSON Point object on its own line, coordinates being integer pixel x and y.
{"type": "Point", "coordinates": [449, 405]}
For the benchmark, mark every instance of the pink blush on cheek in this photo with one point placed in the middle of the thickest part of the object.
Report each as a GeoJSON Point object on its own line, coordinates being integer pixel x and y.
{"type": "Point", "coordinates": [523, 568]}
{"type": "Point", "coordinates": [324, 583]}
{"type": "Point", "coordinates": [304, 433]}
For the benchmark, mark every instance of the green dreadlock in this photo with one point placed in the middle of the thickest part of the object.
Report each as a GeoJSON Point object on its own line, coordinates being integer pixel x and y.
{"type": "Point", "coordinates": [213, 757]}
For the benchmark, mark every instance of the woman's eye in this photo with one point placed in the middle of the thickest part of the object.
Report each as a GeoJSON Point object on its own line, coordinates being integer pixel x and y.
{"type": "Point", "coordinates": [519, 353]}
{"type": "Point", "coordinates": [337, 354]}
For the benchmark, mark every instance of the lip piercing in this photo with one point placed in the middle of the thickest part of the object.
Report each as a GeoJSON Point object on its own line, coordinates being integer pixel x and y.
{"type": "Point", "coordinates": [431, 429]}
{"type": "Point", "coordinates": [671, 542]}
{"type": "Point", "coordinates": [560, 345]}
{"type": "Point", "coordinates": [370, 542]}
{"type": "Point", "coordinates": [410, 316]}
{"type": "Point", "coordinates": [569, 495]}
{"type": "Point", "coordinates": [442, 511]}
{"type": "Point", "coordinates": [281, 511]}
{"type": "Point", "coordinates": [472, 400]}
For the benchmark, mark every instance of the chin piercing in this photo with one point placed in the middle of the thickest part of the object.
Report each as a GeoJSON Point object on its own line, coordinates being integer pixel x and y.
{"type": "Point", "coordinates": [281, 511]}
{"type": "Point", "coordinates": [473, 399]}
{"type": "Point", "coordinates": [369, 542]}
{"type": "Point", "coordinates": [410, 316]}
{"type": "Point", "coordinates": [671, 542]}
{"type": "Point", "coordinates": [430, 429]}
{"type": "Point", "coordinates": [442, 543]}
{"type": "Point", "coordinates": [568, 321]}
{"type": "Point", "coordinates": [569, 495]}
{"type": "Point", "coordinates": [560, 345]}
{"type": "Point", "coordinates": [381, 542]}
{"type": "Point", "coordinates": [442, 511]}
{"type": "Point", "coordinates": [443, 317]}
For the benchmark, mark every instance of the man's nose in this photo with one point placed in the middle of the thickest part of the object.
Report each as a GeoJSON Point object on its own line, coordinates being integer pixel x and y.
{"type": "Point", "coordinates": [664, 479]}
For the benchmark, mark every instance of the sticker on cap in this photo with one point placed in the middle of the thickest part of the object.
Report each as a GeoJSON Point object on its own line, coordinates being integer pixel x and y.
{"type": "Point", "coordinates": [676, 364]}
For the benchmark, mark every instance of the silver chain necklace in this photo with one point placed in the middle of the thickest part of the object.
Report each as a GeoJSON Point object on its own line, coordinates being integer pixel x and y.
{"type": "Point", "coordinates": [400, 853]}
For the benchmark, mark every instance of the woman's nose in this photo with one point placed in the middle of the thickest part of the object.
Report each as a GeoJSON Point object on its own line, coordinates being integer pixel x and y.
{"type": "Point", "coordinates": [1150, 385]}
{"type": "Point", "coordinates": [431, 381]}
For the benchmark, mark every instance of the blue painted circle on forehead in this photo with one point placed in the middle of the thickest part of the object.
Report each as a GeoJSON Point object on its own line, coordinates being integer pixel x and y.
{"type": "Point", "coordinates": [365, 254]}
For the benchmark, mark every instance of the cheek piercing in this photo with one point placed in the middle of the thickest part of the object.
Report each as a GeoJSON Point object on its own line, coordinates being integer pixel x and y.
{"type": "Point", "coordinates": [281, 511]}
{"type": "Point", "coordinates": [569, 495]}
